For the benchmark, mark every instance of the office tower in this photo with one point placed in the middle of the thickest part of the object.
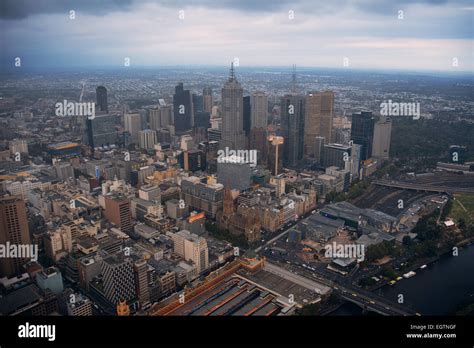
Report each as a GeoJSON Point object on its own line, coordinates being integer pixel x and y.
{"type": "Point", "coordinates": [192, 160]}
{"type": "Point", "coordinates": [258, 141]}
{"type": "Point", "coordinates": [150, 193]}
{"type": "Point", "coordinates": [318, 119]}
{"type": "Point", "coordinates": [247, 114]}
{"type": "Point", "coordinates": [146, 139]}
{"type": "Point", "coordinates": [198, 103]}
{"type": "Point", "coordinates": [232, 114]}
{"type": "Point", "coordinates": [166, 116]}
{"type": "Point", "coordinates": [318, 148]}
{"type": "Point", "coordinates": [154, 116]}
{"type": "Point", "coordinates": [292, 124]}
{"type": "Point", "coordinates": [382, 137]}
{"type": "Point", "coordinates": [142, 290]}
{"type": "Point", "coordinates": [259, 106]}
{"type": "Point", "coordinates": [182, 109]}
{"type": "Point", "coordinates": [101, 99]}
{"type": "Point", "coordinates": [362, 132]}
{"type": "Point", "coordinates": [13, 230]}
{"type": "Point", "coordinates": [207, 99]}
{"type": "Point", "coordinates": [202, 119]}
{"type": "Point", "coordinates": [117, 211]}
{"type": "Point", "coordinates": [192, 248]}
{"type": "Point", "coordinates": [100, 131]}
{"type": "Point", "coordinates": [336, 155]}
{"type": "Point", "coordinates": [133, 125]}
{"type": "Point", "coordinates": [118, 278]}
{"type": "Point", "coordinates": [275, 154]}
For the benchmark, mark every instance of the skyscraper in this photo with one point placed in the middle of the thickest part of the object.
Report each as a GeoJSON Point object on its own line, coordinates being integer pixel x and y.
{"type": "Point", "coordinates": [318, 119]}
{"type": "Point", "coordinates": [247, 113]}
{"type": "Point", "coordinates": [207, 99]}
{"type": "Point", "coordinates": [133, 124]}
{"type": "Point", "coordinates": [292, 124]}
{"type": "Point", "coordinates": [232, 114]}
{"type": "Point", "coordinates": [382, 137]}
{"type": "Point", "coordinates": [101, 97]}
{"type": "Point", "coordinates": [154, 116]}
{"type": "Point", "coordinates": [259, 103]}
{"type": "Point", "coordinates": [13, 230]}
{"type": "Point", "coordinates": [146, 139]}
{"type": "Point", "coordinates": [362, 132]}
{"type": "Point", "coordinates": [182, 109]}
{"type": "Point", "coordinates": [100, 131]}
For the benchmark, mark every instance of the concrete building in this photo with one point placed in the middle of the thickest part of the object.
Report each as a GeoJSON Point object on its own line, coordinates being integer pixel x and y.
{"type": "Point", "coordinates": [118, 278]}
{"type": "Point", "coordinates": [382, 138]}
{"type": "Point", "coordinates": [147, 139]}
{"type": "Point", "coordinates": [118, 212]}
{"type": "Point", "coordinates": [259, 110]}
{"type": "Point", "coordinates": [14, 230]}
{"type": "Point", "coordinates": [192, 248]}
{"type": "Point", "coordinates": [50, 279]}
{"type": "Point", "coordinates": [133, 125]}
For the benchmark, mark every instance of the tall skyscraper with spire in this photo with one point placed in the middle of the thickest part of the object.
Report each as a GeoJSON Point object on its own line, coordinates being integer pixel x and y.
{"type": "Point", "coordinates": [232, 114]}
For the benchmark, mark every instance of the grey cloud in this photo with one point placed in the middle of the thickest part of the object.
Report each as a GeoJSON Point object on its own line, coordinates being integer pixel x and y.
{"type": "Point", "coordinates": [19, 9]}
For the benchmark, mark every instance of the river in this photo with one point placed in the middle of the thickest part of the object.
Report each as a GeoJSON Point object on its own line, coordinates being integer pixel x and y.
{"type": "Point", "coordinates": [440, 289]}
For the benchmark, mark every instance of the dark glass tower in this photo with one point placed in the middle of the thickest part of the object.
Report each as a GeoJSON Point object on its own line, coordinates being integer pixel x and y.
{"type": "Point", "coordinates": [247, 115]}
{"type": "Point", "coordinates": [362, 132]}
{"type": "Point", "coordinates": [101, 97]}
{"type": "Point", "coordinates": [182, 109]}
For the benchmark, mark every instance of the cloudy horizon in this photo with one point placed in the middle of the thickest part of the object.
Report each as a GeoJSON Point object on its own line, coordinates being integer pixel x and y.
{"type": "Point", "coordinates": [366, 34]}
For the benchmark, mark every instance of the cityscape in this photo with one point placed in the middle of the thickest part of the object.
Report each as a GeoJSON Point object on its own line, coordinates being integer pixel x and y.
{"type": "Point", "coordinates": [232, 186]}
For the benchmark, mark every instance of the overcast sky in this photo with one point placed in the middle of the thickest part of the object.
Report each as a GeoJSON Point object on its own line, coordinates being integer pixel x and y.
{"type": "Point", "coordinates": [258, 32]}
